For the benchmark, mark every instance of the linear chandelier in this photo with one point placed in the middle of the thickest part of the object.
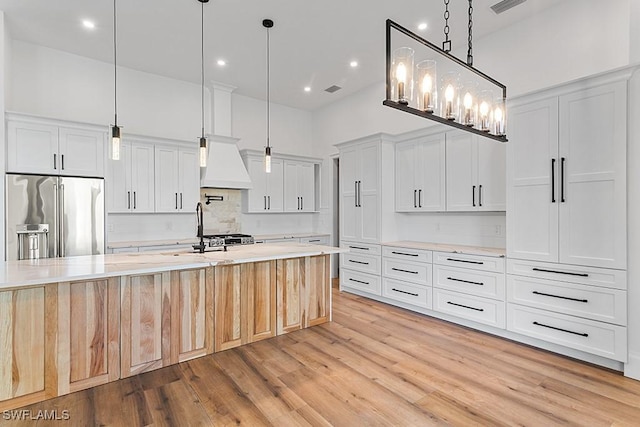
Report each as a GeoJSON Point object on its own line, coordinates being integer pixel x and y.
{"type": "Point", "coordinates": [430, 82]}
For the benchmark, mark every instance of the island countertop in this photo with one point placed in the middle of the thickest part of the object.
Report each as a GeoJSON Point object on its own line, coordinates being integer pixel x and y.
{"type": "Point", "coordinates": [17, 274]}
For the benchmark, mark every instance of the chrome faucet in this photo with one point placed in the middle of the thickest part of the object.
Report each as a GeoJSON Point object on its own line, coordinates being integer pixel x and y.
{"type": "Point", "coordinates": [200, 230]}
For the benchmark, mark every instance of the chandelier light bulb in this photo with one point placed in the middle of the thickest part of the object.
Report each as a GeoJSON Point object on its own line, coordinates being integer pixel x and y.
{"type": "Point", "coordinates": [484, 109]}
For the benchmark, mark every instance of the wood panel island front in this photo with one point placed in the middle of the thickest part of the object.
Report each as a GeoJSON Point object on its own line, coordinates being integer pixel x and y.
{"type": "Point", "coordinates": [68, 324]}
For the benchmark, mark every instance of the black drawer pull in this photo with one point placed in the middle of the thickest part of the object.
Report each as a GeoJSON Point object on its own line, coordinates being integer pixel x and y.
{"type": "Point", "coordinates": [465, 260]}
{"type": "Point", "coordinates": [358, 281]}
{"type": "Point", "coordinates": [582, 334]}
{"type": "Point", "coordinates": [465, 281]}
{"type": "Point", "coordinates": [314, 240]}
{"type": "Point", "coordinates": [544, 270]}
{"type": "Point", "coordinates": [358, 247]}
{"type": "Point", "coordinates": [358, 262]}
{"type": "Point", "coordinates": [465, 306]}
{"type": "Point", "coordinates": [403, 253]}
{"type": "Point", "coordinates": [404, 292]}
{"type": "Point", "coordinates": [559, 296]}
{"type": "Point", "coordinates": [404, 271]}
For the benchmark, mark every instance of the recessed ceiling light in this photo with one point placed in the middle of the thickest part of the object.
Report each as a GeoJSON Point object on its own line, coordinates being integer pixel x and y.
{"type": "Point", "coordinates": [307, 89]}
{"type": "Point", "coordinates": [422, 26]}
{"type": "Point", "coordinates": [222, 62]}
{"type": "Point", "coordinates": [90, 25]}
{"type": "Point", "coordinates": [353, 64]}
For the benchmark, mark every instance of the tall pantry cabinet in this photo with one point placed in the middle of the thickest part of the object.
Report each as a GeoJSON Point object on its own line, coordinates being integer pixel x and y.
{"type": "Point", "coordinates": [567, 215]}
{"type": "Point", "coordinates": [366, 208]}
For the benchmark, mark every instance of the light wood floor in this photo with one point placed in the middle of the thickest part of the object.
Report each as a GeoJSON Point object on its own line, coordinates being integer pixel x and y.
{"type": "Point", "coordinates": [373, 365]}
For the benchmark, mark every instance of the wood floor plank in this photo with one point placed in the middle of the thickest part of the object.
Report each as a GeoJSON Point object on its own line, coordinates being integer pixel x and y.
{"type": "Point", "coordinates": [373, 365]}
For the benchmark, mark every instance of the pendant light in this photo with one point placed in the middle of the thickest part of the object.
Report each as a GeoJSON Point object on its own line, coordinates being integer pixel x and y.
{"type": "Point", "coordinates": [203, 140]}
{"type": "Point", "coordinates": [268, 23]}
{"type": "Point", "coordinates": [115, 129]}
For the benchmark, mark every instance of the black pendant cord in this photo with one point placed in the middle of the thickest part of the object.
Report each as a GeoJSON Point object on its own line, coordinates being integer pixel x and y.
{"type": "Point", "coordinates": [470, 51]}
{"type": "Point", "coordinates": [202, 66]}
{"type": "Point", "coordinates": [268, 93]}
{"type": "Point", "coordinates": [115, 68]}
{"type": "Point", "coordinates": [446, 44]}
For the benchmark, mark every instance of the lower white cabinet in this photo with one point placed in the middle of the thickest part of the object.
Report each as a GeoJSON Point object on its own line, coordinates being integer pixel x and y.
{"type": "Point", "coordinates": [360, 268]}
{"type": "Point", "coordinates": [409, 293]}
{"type": "Point", "coordinates": [473, 282]}
{"type": "Point", "coordinates": [406, 275]}
{"type": "Point", "coordinates": [317, 240]}
{"type": "Point", "coordinates": [470, 307]}
{"type": "Point", "coordinates": [359, 281]}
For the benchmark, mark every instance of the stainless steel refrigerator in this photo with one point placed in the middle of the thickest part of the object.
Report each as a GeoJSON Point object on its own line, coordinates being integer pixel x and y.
{"type": "Point", "coordinates": [51, 216]}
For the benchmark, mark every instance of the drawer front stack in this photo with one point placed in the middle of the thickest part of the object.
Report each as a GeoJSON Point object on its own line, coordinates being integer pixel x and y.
{"type": "Point", "coordinates": [584, 308]}
{"type": "Point", "coordinates": [407, 275]}
{"type": "Point", "coordinates": [360, 267]}
{"type": "Point", "coordinates": [470, 286]}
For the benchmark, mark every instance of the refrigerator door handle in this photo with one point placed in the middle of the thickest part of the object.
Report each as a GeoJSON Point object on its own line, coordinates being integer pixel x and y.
{"type": "Point", "coordinates": [61, 239]}
{"type": "Point", "coordinates": [55, 221]}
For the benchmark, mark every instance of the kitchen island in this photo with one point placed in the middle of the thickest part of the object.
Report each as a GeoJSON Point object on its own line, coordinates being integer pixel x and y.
{"type": "Point", "coordinates": [68, 324]}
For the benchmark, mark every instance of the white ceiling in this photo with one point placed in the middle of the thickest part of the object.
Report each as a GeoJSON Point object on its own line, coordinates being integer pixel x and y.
{"type": "Point", "coordinates": [312, 42]}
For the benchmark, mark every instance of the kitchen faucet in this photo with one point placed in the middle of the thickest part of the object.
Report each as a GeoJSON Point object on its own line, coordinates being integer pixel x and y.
{"type": "Point", "coordinates": [200, 229]}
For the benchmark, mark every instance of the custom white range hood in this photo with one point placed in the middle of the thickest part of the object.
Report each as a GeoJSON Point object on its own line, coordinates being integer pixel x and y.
{"type": "Point", "coordinates": [225, 168]}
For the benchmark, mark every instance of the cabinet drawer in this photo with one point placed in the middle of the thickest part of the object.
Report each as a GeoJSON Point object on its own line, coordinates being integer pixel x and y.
{"type": "Point", "coordinates": [476, 262]}
{"type": "Point", "coordinates": [590, 336]}
{"type": "Point", "coordinates": [480, 283]}
{"type": "Point", "coordinates": [415, 272]}
{"type": "Point", "coordinates": [414, 255]}
{"type": "Point", "coordinates": [569, 273]}
{"type": "Point", "coordinates": [361, 248]}
{"type": "Point", "coordinates": [363, 282]}
{"type": "Point", "coordinates": [406, 292]}
{"type": "Point", "coordinates": [364, 263]}
{"type": "Point", "coordinates": [315, 240]}
{"type": "Point", "coordinates": [590, 302]}
{"type": "Point", "coordinates": [481, 310]}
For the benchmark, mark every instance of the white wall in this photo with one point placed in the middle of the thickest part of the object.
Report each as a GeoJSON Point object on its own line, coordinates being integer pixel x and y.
{"type": "Point", "coordinates": [4, 60]}
{"type": "Point", "coordinates": [60, 85]}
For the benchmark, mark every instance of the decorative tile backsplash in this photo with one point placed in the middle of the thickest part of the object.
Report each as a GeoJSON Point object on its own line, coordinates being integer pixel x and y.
{"type": "Point", "coordinates": [221, 216]}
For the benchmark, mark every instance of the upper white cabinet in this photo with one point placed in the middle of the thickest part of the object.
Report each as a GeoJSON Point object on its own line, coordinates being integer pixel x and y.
{"type": "Point", "coordinates": [567, 176]}
{"type": "Point", "coordinates": [292, 185]}
{"type": "Point", "coordinates": [366, 189]}
{"type": "Point", "coordinates": [299, 187]}
{"type": "Point", "coordinates": [420, 174]}
{"type": "Point", "coordinates": [177, 183]}
{"type": "Point", "coordinates": [475, 173]}
{"type": "Point", "coordinates": [49, 147]}
{"type": "Point", "coordinates": [130, 180]}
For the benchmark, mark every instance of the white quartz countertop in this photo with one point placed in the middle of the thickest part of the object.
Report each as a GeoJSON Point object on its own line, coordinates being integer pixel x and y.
{"type": "Point", "coordinates": [16, 274]}
{"type": "Point", "coordinates": [444, 247]}
{"type": "Point", "coordinates": [165, 242]}
{"type": "Point", "coordinates": [287, 235]}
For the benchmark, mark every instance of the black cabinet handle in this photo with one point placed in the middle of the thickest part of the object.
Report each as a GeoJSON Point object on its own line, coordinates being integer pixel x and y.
{"type": "Point", "coordinates": [180, 200]}
{"type": "Point", "coordinates": [419, 198]}
{"type": "Point", "coordinates": [465, 260]}
{"type": "Point", "coordinates": [359, 194]}
{"type": "Point", "coordinates": [314, 240]}
{"type": "Point", "coordinates": [559, 296]}
{"type": "Point", "coordinates": [134, 200]}
{"type": "Point", "coordinates": [301, 203]}
{"type": "Point", "coordinates": [404, 292]}
{"type": "Point", "coordinates": [55, 162]}
{"type": "Point", "coordinates": [404, 271]}
{"type": "Point", "coordinates": [128, 199]}
{"type": "Point", "coordinates": [403, 253]}
{"type": "Point", "coordinates": [269, 202]}
{"type": "Point", "coordinates": [176, 200]}
{"type": "Point", "coordinates": [553, 180]}
{"type": "Point", "coordinates": [358, 262]}
{"type": "Point", "coordinates": [465, 306]}
{"type": "Point", "coordinates": [480, 195]}
{"type": "Point", "coordinates": [544, 270]}
{"type": "Point", "coordinates": [473, 195]}
{"type": "Point", "coordinates": [359, 247]}
{"type": "Point", "coordinates": [62, 160]}
{"type": "Point", "coordinates": [415, 193]}
{"type": "Point", "coordinates": [358, 281]}
{"type": "Point", "coordinates": [465, 281]}
{"type": "Point", "coordinates": [582, 334]}
{"type": "Point", "coordinates": [355, 192]}
{"type": "Point", "coordinates": [562, 161]}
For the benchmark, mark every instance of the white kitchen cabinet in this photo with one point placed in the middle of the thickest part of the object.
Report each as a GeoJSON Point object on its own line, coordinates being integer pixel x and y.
{"type": "Point", "coordinates": [130, 180]}
{"type": "Point", "coordinates": [475, 169]}
{"type": "Point", "coordinates": [420, 174]}
{"type": "Point", "coordinates": [567, 177]}
{"type": "Point", "coordinates": [177, 179]}
{"type": "Point", "coordinates": [50, 148]}
{"type": "Point", "coordinates": [267, 193]}
{"type": "Point", "coordinates": [299, 186]}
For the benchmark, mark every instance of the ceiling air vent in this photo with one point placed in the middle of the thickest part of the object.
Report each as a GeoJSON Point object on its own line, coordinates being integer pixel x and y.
{"type": "Point", "coordinates": [505, 5]}
{"type": "Point", "coordinates": [332, 89]}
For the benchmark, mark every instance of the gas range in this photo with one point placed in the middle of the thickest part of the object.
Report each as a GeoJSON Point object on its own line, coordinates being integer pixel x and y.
{"type": "Point", "coordinates": [221, 241]}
